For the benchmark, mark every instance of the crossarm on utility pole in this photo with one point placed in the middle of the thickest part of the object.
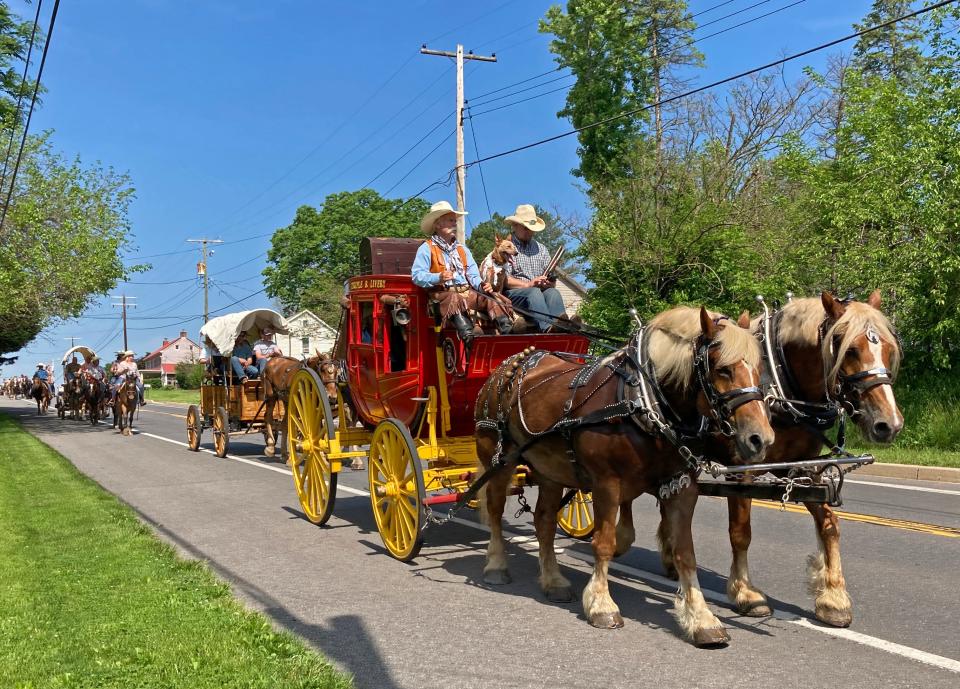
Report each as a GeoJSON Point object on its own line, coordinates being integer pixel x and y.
{"type": "Point", "coordinates": [460, 56]}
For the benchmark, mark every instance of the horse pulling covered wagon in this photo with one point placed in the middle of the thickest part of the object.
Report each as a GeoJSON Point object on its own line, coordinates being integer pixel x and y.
{"type": "Point", "coordinates": [230, 405]}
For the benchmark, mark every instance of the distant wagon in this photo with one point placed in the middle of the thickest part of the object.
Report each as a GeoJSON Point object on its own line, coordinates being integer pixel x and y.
{"type": "Point", "coordinates": [227, 406]}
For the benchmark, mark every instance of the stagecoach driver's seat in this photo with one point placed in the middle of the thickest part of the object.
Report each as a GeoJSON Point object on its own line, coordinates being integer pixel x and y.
{"type": "Point", "coordinates": [446, 269]}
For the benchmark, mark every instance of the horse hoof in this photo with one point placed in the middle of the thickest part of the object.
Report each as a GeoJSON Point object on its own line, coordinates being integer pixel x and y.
{"type": "Point", "coordinates": [834, 617]}
{"type": "Point", "coordinates": [496, 577]}
{"type": "Point", "coordinates": [711, 638]}
{"type": "Point", "coordinates": [606, 620]}
{"type": "Point", "coordinates": [357, 465]}
{"type": "Point", "coordinates": [559, 594]}
{"type": "Point", "coordinates": [269, 451]}
{"type": "Point", "coordinates": [757, 608]}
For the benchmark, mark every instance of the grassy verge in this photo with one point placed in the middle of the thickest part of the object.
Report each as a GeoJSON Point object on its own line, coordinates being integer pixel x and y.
{"type": "Point", "coordinates": [89, 598]}
{"type": "Point", "coordinates": [173, 395]}
{"type": "Point", "coordinates": [912, 455]}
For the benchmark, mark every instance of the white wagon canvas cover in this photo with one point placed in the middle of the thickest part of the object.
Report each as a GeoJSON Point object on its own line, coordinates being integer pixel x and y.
{"type": "Point", "coordinates": [222, 331]}
{"type": "Point", "coordinates": [84, 351]}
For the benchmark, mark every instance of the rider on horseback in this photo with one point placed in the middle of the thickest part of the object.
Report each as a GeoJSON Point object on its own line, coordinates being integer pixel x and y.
{"type": "Point", "coordinates": [119, 370]}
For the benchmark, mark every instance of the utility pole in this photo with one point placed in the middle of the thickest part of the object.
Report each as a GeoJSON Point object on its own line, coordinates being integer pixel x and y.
{"type": "Point", "coordinates": [202, 271]}
{"type": "Point", "coordinates": [459, 56]}
{"type": "Point", "coordinates": [72, 341]}
{"type": "Point", "coordinates": [124, 305]}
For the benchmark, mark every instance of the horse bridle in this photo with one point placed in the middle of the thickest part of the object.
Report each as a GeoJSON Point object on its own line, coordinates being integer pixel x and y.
{"type": "Point", "coordinates": [850, 388]}
{"type": "Point", "coordinates": [723, 405]}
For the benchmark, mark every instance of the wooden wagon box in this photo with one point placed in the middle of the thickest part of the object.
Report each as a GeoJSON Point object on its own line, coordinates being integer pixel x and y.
{"type": "Point", "coordinates": [243, 403]}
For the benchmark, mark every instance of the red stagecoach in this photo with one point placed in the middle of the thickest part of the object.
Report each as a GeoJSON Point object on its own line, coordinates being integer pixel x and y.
{"type": "Point", "coordinates": [412, 386]}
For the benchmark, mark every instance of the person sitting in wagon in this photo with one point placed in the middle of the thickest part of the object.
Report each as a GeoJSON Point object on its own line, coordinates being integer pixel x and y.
{"type": "Point", "coordinates": [446, 268]}
{"type": "Point", "coordinates": [265, 349]}
{"type": "Point", "coordinates": [119, 370]}
{"type": "Point", "coordinates": [70, 370]}
{"type": "Point", "coordinates": [528, 286]}
{"type": "Point", "coordinates": [242, 360]}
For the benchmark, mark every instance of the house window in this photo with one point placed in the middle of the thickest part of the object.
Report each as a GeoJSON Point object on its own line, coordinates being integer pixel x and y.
{"type": "Point", "coordinates": [305, 345]}
{"type": "Point", "coordinates": [176, 346]}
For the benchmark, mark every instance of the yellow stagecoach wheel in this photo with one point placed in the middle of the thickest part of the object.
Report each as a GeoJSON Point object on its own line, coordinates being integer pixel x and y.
{"type": "Point", "coordinates": [309, 432]}
{"type": "Point", "coordinates": [576, 518]}
{"type": "Point", "coordinates": [193, 427]}
{"type": "Point", "coordinates": [221, 432]}
{"type": "Point", "coordinates": [396, 489]}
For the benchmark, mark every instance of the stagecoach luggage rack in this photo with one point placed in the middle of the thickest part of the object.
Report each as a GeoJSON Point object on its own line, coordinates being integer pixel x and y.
{"type": "Point", "coordinates": [387, 255]}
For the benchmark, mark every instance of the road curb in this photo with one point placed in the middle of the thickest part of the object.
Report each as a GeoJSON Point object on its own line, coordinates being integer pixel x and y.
{"type": "Point", "coordinates": [911, 471]}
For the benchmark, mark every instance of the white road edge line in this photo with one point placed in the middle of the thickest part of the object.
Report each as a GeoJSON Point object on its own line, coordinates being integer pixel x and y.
{"type": "Point", "coordinates": [919, 489]}
{"type": "Point", "coordinates": [915, 654]}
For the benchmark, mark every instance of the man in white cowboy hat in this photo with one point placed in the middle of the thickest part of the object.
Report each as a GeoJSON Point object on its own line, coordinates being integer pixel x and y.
{"type": "Point", "coordinates": [265, 349]}
{"type": "Point", "coordinates": [120, 369]}
{"type": "Point", "coordinates": [527, 285]}
{"type": "Point", "coordinates": [447, 269]}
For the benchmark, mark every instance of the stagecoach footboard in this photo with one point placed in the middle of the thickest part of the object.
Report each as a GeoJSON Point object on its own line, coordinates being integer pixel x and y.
{"type": "Point", "coordinates": [812, 480]}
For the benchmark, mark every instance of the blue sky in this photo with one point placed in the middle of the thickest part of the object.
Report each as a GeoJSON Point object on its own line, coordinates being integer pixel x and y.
{"type": "Point", "coordinates": [230, 114]}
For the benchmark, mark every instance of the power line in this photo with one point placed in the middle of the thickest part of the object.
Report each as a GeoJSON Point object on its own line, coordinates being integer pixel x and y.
{"type": "Point", "coordinates": [562, 88]}
{"type": "Point", "coordinates": [483, 182]}
{"type": "Point", "coordinates": [421, 162]}
{"type": "Point", "coordinates": [23, 86]}
{"type": "Point", "coordinates": [720, 82]}
{"type": "Point", "coordinates": [405, 153]}
{"type": "Point", "coordinates": [33, 102]}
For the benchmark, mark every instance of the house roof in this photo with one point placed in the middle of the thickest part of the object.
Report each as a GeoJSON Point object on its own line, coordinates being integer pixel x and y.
{"type": "Point", "coordinates": [572, 282]}
{"type": "Point", "coordinates": [163, 347]}
{"type": "Point", "coordinates": [307, 312]}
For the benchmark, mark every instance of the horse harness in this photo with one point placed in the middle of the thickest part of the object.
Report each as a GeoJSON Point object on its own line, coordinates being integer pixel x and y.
{"type": "Point", "coordinates": [639, 398]}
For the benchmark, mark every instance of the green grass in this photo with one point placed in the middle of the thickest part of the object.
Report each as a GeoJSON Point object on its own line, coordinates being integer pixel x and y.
{"type": "Point", "coordinates": [173, 395]}
{"type": "Point", "coordinates": [923, 456]}
{"type": "Point", "coordinates": [90, 598]}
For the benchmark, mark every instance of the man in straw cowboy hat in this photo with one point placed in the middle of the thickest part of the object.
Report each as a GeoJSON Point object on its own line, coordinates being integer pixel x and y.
{"type": "Point", "coordinates": [528, 286]}
{"type": "Point", "coordinates": [446, 268]}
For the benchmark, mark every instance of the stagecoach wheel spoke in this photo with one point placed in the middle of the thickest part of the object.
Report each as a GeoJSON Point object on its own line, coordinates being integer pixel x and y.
{"type": "Point", "coordinates": [193, 427]}
{"type": "Point", "coordinates": [221, 432]}
{"type": "Point", "coordinates": [310, 429]}
{"type": "Point", "coordinates": [396, 489]}
{"type": "Point", "coordinates": [576, 518]}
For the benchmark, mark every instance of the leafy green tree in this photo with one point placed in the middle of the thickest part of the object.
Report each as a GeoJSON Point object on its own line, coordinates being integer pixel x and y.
{"type": "Point", "coordinates": [311, 258]}
{"type": "Point", "coordinates": [894, 51]}
{"type": "Point", "coordinates": [14, 38]}
{"type": "Point", "coordinates": [624, 56]}
{"type": "Point", "coordinates": [189, 375]}
{"type": "Point", "coordinates": [60, 244]}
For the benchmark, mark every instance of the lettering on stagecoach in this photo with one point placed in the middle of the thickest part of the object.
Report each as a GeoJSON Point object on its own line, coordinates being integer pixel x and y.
{"type": "Point", "coordinates": [367, 283]}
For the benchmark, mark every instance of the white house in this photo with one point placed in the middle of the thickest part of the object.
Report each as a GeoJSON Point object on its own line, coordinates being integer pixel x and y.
{"type": "Point", "coordinates": [571, 291]}
{"type": "Point", "coordinates": [308, 334]}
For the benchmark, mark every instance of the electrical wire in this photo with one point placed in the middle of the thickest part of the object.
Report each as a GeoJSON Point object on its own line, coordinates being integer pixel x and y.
{"type": "Point", "coordinates": [33, 102]}
{"type": "Point", "coordinates": [23, 86]}
{"type": "Point", "coordinates": [714, 84]}
{"type": "Point", "coordinates": [476, 149]}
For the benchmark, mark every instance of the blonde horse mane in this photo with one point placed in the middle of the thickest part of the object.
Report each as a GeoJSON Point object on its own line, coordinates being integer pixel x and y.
{"type": "Point", "coordinates": [800, 324]}
{"type": "Point", "coordinates": [673, 336]}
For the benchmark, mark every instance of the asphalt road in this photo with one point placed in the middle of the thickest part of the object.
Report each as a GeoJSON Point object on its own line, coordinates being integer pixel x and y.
{"type": "Point", "coordinates": [431, 623]}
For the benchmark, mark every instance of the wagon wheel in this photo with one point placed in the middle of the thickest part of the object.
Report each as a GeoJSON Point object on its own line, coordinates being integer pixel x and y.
{"type": "Point", "coordinates": [194, 427]}
{"type": "Point", "coordinates": [576, 518]}
{"type": "Point", "coordinates": [309, 432]}
{"type": "Point", "coordinates": [221, 432]}
{"type": "Point", "coordinates": [396, 489]}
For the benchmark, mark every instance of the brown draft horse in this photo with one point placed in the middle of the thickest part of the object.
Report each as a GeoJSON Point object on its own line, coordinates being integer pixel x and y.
{"type": "Point", "coordinates": [696, 356]}
{"type": "Point", "coordinates": [92, 394]}
{"type": "Point", "coordinates": [276, 378]}
{"type": "Point", "coordinates": [126, 404]}
{"type": "Point", "coordinates": [329, 370]}
{"type": "Point", "coordinates": [829, 351]}
{"type": "Point", "coordinates": [40, 391]}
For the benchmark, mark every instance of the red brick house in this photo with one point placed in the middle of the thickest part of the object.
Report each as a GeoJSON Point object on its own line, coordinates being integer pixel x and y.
{"type": "Point", "coordinates": [163, 361]}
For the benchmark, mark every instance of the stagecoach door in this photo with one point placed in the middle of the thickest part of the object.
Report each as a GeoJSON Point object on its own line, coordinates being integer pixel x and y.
{"type": "Point", "coordinates": [383, 361]}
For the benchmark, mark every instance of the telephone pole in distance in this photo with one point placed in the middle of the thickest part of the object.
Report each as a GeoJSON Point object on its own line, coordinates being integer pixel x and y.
{"type": "Point", "coordinates": [124, 305]}
{"type": "Point", "coordinates": [202, 271]}
{"type": "Point", "coordinates": [459, 56]}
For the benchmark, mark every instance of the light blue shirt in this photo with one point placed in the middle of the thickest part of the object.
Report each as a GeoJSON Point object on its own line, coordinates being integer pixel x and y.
{"type": "Point", "coordinates": [420, 272]}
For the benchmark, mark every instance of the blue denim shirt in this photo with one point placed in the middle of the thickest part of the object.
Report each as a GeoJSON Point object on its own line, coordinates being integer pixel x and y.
{"type": "Point", "coordinates": [420, 272]}
{"type": "Point", "coordinates": [243, 351]}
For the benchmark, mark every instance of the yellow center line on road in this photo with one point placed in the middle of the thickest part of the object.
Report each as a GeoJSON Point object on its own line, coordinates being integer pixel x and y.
{"type": "Point", "coordinates": [905, 524]}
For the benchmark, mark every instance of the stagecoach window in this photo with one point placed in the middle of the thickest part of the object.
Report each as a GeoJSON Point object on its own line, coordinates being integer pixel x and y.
{"type": "Point", "coordinates": [364, 323]}
{"type": "Point", "coordinates": [397, 346]}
